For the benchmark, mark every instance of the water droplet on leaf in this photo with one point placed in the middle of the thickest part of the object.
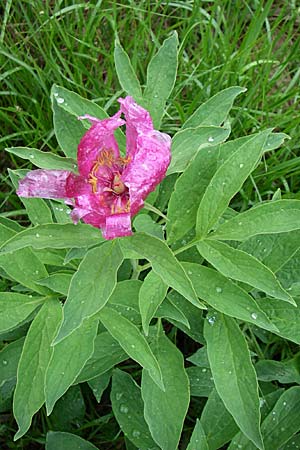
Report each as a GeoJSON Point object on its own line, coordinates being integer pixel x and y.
{"type": "Point", "coordinates": [123, 409]}
{"type": "Point", "coordinates": [211, 320]}
{"type": "Point", "coordinates": [136, 433]}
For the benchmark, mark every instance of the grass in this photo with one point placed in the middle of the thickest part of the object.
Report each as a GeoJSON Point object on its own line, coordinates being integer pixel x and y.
{"type": "Point", "coordinates": [255, 44]}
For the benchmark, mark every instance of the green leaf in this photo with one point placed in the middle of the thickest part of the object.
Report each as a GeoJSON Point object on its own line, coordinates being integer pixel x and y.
{"type": "Point", "coordinates": [68, 130]}
{"type": "Point", "coordinates": [91, 286]}
{"type": "Point", "coordinates": [26, 268]}
{"type": "Point", "coordinates": [132, 341]}
{"type": "Point", "coordinates": [279, 425]}
{"type": "Point", "coordinates": [61, 211]}
{"type": "Point", "coordinates": [125, 300]}
{"type": "Point", "coordinates": [75, 104]}
{"type": "Point", "coordinates": [198, 439]}
{"type": "Point", "coordinates": [284, 372]}
{"type": "Point", "coordinates": [15, 308]}
{"type": "Point", "coordinates": [226, 296]}
{"type": "Point", "coordinates": [232, 370]}
{"type": "Point", "coordinates": [201, 381]}
{"type": "Point", "coordinates": [169, 310]}
{"type": "Point", "coordinates": [54, 236]}
{"type": "Point", "coordinates": [126, 74]}
{"type": "Point", "coordinates": [284, 316]}
{"type": "Point", "coordinates": [163, 263]}
{"type": "Point", "coordinates": [161, 75]}
{"type": "Point", "coordinates": [29, 394]}
{"type": "Point", "coordinates": [165, 411]}
{"type": "Point", "coordinates": [9, 360]}
{"type": "Point", "coordinates": [241, 266]}
{"type": "Point", "coordinates": [227, 181]}
{"type": "Point", "coordinates": [107, 353]}
{"type": "Point", "coordinates": [57, 282]}
{"type": "Point", "coordinates": [187, 143]}
{"type": "Point", "coordinates": [152, 293]}
{"type": "Point", "coordinates": [67, 107]}
{"type": "Point", "coordinates": [193, 314]}
{"type": "Point", "coordinates": [63, 367]}
{"type": "Point", "coordinates": [191, 185]}
{"type": "Point", "coordinates": [215, 110]}
{"type": "Point", "coordinates": [278, 216]}
{"type": "Point", "coordinates": [128, 408]}
{"type": "Point", "coordinates": [274, 250]}
{"type": "Point", "coordinates": [99, 384]}
{"type": "Point", "coordinates": [44, 160]}
{"type": "Point", "coordinates": [144, 223]}
{"type": "Point", "coordinates": [57, 440]}
{"type": "Point", "coordinates": [217, 423]}
{"type": "Point", "coordinates": [199, 358]}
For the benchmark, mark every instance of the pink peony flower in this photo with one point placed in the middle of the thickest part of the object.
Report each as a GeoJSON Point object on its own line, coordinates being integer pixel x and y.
{"type": "Point", "coordinates": [109, 189]}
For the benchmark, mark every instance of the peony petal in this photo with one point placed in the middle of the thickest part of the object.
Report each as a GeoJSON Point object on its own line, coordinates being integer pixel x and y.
{"type": "Point", "coordinates": [99, 137]}
{"type": "Point", "coordinates": [148, 167]}
{"type": "Point", "coordinates": [89, 208]}
{"type": "Point", "coordinates": [77, 186]}
{"type": "Point", "coordinates": [117, 225]}
{"type": "Point", "coordinates": [138, 120]}
{"type": "Point", "coordinates": [45, 184]}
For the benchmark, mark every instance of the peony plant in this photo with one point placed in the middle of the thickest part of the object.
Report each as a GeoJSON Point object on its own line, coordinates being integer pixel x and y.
{"type": "Point", "coordinates": [97, 279]}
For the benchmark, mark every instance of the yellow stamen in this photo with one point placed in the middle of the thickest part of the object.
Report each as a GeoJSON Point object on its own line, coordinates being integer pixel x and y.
{"type": "Point", "coordinates": [93, 182]}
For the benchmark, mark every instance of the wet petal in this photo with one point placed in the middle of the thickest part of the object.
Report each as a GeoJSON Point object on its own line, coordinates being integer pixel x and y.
{"type": "Point", "coordinates": [148, 167]}
{"type": "Point", "coordinates": [117, 225]}
{"type": "Point", "coordinates": [45, 184]}
{"type": "Point", "coordinates": [90, 209]}
{"type": "Point", "coordinates": [138, 121]}
{"type": "Point", "coordinates": [99, 137]}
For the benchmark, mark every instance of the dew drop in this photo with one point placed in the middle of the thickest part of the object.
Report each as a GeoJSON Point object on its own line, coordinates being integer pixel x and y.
{"type": "Point", "coordinates": [60, 100]}
{"type": "Point", "coordinates": [123, 409]}
{"type": "Point", "coordinates": [204, 370]}
{"type": "Point", "coordinates": [136, 433]}
{"type": "Point", "coordinates": [241, 165]}
{"type": "Point", "coordinates": [254, 316]}
{"type": "Point", "coordinates": [31, 156]}
{"type": "Point", "coordinates": [240, 223]}
{"type": "Point", "coordinates": [119, 395]}
{"type": "Point", "coordinates": [37, 235]}
{"type": "Point", "coordinates": [4, 362]}
{"type": "Point", "coordinates": [211, 320]}
{"type": "Point", "coordinates": [211, 139]}
{"type": "Point", "coordinates": [284, 403]}
{"type": "Point", "coordinates": [132, 346]}
{"type": "Point", "coordinates": [218, 290]}
{"type": "Point", "coordinates": [190, 272]}
{"type": "Point", "coordinates": [262, 401]}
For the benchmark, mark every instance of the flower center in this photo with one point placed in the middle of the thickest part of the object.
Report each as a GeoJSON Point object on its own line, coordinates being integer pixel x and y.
{"type": "Point", "coordinates": [107, 185]}
{"type": "Point", "coordinates": [117, 185]}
